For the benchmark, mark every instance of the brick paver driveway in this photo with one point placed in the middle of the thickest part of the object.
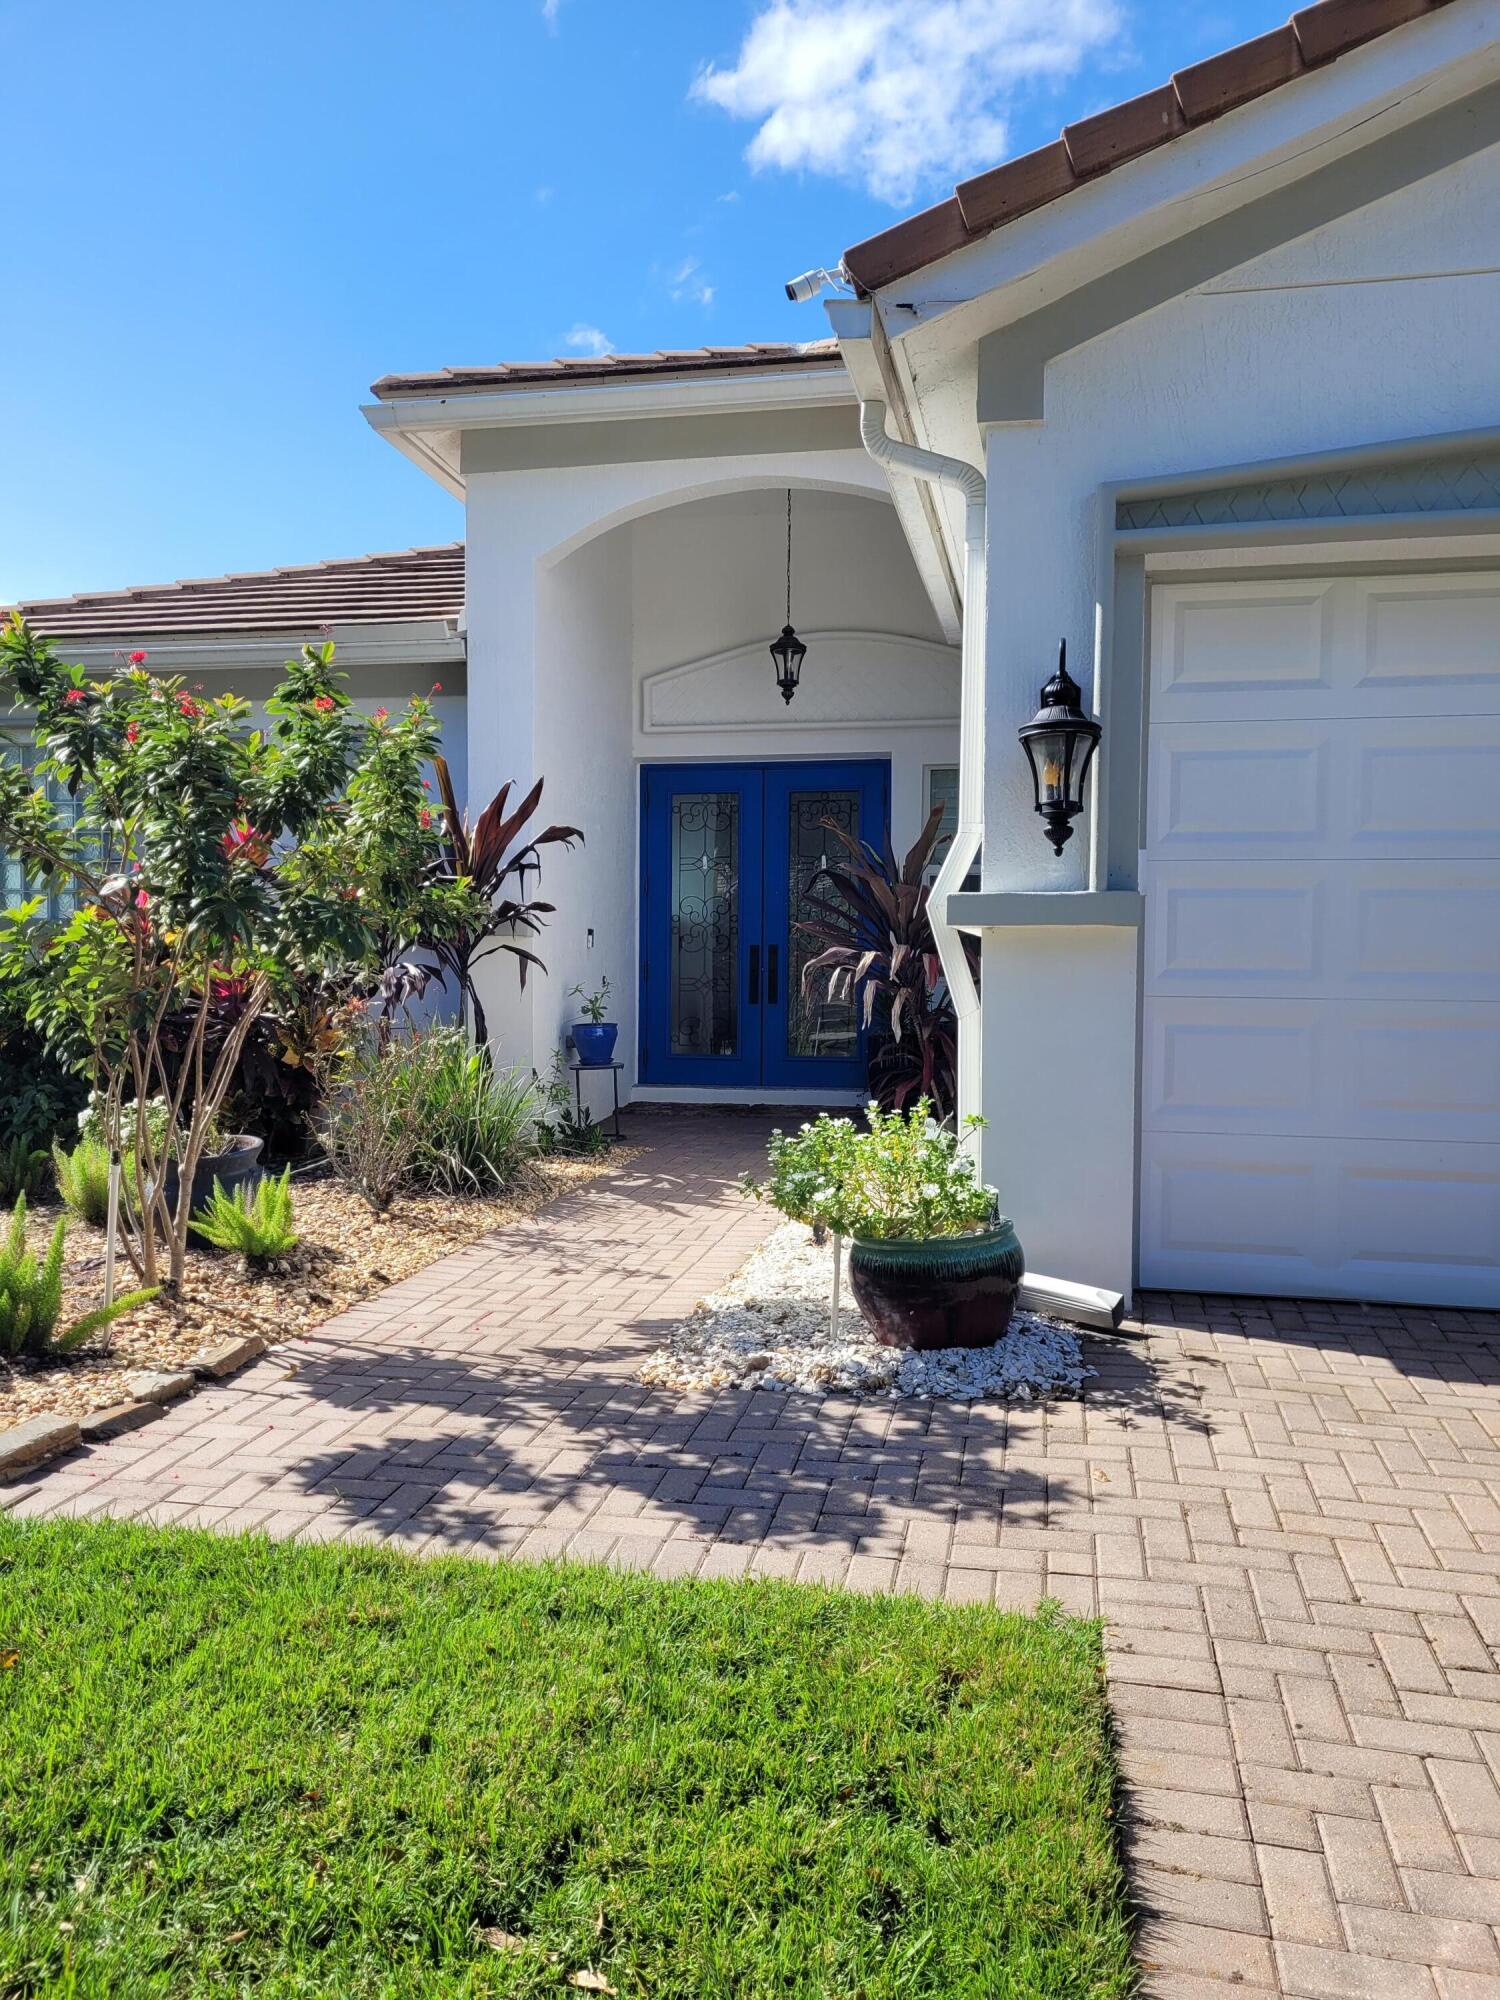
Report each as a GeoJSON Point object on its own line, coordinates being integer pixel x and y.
{"type": "Point", "coordinates": [1290, 1515]}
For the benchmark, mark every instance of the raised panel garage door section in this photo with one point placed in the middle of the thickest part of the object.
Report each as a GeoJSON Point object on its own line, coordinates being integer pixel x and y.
{"type": "Point", "coordinates": [1321, 1069]}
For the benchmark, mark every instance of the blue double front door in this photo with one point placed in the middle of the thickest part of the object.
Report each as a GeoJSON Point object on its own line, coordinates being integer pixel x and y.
{"type": "Point", "coordinates": [729, 854]}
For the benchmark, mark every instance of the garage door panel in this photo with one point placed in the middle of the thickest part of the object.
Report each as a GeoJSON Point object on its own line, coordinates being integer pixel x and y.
{"type": "Point", "coordinates": [1423, 928]}
{"type": "Point", "coordinates": [1424, 786]}
{"type": "Point", "coordinates": [1423, 1071]}
{"type": "Point", "coordinates": [1234, 1066]}
{"type": "Point", "coordinates": [1232, 1206]}
{"type": "Point", "coordinates": [1262, 788]}
{"type": "Point", "coordinates": [1233, 1213]}
{"type": "Point", "coordinates": [1235, 650]}
{"type": "Point", "coordinates": [1439, 633]}
{"type": "Point", "coordinates": [1360, 1070]}
{"type": "Point", "coordinates": [1413, 1207]}
{"type": "Point", "coordinates": [1397, 787]}
{"type": "Point", "coordinates": [1234, 928]}
{"type": "Point", "coordinates": [1331, 930]}
{"type": "Point", "coordinates": [1225, 639]}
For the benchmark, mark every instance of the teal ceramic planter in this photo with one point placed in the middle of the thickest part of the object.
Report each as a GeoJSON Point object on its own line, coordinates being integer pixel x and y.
{"type": "Point", "coordinates": [939, 1291]}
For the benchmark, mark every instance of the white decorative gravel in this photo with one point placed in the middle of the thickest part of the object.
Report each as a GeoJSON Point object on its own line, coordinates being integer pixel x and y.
{"type": "Point", "coordinates": [768, 1328]}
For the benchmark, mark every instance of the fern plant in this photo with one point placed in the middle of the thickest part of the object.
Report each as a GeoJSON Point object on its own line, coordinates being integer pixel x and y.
{"type": "Point", "coordinates": [23, 1170]}
{"type": "Point", "coordinates": [258, 1225]}
{"type": "Point", "coordinates": [31, 1296]}
{"type": "Point", "coordinates": [83, 1179]}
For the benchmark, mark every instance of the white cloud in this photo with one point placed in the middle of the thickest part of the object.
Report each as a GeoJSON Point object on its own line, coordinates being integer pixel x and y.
{"type": "Point", "coordinates": [549, 13]}
{"type": "Point", "coordinates": [588, 339]}
{"type": "Point", "coordinates": [896, 95]}
{"type": "Point", "coordinates": [688, 284]}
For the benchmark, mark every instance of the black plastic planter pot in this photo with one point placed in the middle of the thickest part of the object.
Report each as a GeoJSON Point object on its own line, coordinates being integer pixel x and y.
{"type": "Point", "coordinates": [939, 1291]}
{"type": "Point", "coordinates": [239, 1162]}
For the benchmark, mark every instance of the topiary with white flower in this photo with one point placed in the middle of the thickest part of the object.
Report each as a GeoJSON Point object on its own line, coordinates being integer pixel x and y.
{"type": "Point", "coordinates": [901, 1177]}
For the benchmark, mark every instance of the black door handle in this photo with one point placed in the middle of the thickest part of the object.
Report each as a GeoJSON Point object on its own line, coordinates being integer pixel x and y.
{"type": "Point", "coordinates": [771, 977]}
{"type": "Point", "coordinates": [755, 975]}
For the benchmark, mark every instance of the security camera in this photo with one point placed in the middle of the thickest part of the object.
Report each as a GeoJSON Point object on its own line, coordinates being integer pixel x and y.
{"type": "Point", "coordinates": [808, 286]}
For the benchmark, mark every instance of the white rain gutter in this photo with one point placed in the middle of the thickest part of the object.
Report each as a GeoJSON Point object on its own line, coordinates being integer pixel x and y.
{"type": "Point", "coordinates": [937, 469]}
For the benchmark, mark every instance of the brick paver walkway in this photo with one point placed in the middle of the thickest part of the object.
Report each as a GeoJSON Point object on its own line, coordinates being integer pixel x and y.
{"type": "Point", "coordinates": [1290, 1516]}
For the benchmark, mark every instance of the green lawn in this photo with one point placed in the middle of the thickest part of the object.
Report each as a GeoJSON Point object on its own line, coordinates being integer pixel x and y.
{"type": "Point", "coordinates": [233, 1767]}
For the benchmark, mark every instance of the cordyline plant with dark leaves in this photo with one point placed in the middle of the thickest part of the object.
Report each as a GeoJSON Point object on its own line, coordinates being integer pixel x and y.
{"type": "Point", "coordinates": [483, 855]}
{"type": "Point", "coordinates": [874, 925]}
{"type": "Point", "coordinates": [213, 867]}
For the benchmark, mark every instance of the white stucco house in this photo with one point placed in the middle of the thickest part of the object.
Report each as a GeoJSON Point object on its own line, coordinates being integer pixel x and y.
{"type": "Point", "coordinates": [1208, 388]}
{"type": "Point", "coordinates": [1225, 364]}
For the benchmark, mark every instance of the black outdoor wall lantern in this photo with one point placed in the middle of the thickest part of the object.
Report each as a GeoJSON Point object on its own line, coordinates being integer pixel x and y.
{"type": "Point", "coordinates": [1059, 742]}
{"type": "Point", "coordinates": [788, 651]}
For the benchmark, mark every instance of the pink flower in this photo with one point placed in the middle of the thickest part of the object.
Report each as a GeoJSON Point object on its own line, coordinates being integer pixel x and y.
{"type": "Point", "coordinates": [74, 696]}
{"type": "Point", "coordinates": [437, 687]}
{"type": "Point", "coordinates": [426, 818]}
{"type": "Point", "coordinates": [132, 732]}
{"type": "Point", "coordinates": [142, 900]}
{"type": "Point", "coordinates": [381, 714]}
{"type": "Point", "coordinates": [323, 703]}
{"type": "Point", "coordinates": [136, 659]}
{"type": "Point", "coordinates": [427, 784]}
{"type": "Point", "coordinates": [242, 838]}
{"type": "Point", "coordinates": [187, 706]}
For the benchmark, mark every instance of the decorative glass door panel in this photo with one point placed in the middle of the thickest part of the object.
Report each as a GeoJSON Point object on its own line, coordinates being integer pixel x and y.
{"type": "Point", "coordinates": [705, 914]}
{"type": "Point", "coordinates": [730, 857]}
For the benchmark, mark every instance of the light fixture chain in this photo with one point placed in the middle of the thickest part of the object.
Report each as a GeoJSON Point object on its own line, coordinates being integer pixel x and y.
{"type": "Point", "coordinates": [789, 555]}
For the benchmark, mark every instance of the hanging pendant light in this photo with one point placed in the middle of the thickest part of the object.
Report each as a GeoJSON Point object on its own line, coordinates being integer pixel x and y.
{"type": "Point", "coordinates": [788, 651]}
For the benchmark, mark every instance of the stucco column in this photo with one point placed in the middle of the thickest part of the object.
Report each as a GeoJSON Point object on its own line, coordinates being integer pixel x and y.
{"type": "Point", "coordinates": [1059, 1000]}
{"type": "Point", "coordinates": [501, 611]}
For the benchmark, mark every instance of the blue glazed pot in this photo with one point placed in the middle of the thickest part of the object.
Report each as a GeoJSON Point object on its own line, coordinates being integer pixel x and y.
{"type": "Point", "coordinates": [595, 1042]}
{"type": "Point", "coordinates": [939, 1291]}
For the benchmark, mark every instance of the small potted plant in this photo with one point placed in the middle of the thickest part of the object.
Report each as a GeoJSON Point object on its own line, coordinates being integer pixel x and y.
{"type": "Point", "coordinates": [594, 1036]}
{"type": "Point", "coordinates": [931, 1264]}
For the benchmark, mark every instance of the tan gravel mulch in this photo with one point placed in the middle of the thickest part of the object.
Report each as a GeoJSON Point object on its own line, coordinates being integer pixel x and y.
{"type": "Point", "coordinates": [346, 1254]}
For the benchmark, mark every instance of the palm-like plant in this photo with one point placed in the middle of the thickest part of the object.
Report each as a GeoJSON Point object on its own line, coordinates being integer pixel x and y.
{"type": "Point", "coordinates": [874, 924]}
{"type": "Point", "coordinates": [485, 855]}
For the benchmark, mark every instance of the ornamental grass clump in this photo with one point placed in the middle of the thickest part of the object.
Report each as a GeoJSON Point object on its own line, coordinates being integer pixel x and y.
{"type": "Point", "coordinates": [901, 1177]}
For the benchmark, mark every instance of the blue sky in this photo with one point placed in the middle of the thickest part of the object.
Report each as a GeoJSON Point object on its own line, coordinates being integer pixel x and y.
{"type": "Point", "coordinates": [224, 223]}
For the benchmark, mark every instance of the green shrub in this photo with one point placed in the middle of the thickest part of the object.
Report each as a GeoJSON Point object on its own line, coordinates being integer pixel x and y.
{"type": "Point", "coordinates": [83, 1179]}
{"type": "Point", "coordinates": [258, 1224]}
{"type": "Point", "coordinates": [39, 1098]}
{"type": "Point", "coordinates": [475, 1124]}
{"type": "Point", "coordinates": [425, 1111]}
{"type": "Point", "coordinates": [901, 1177]}
{"type": "Point", "coordinates": [23, 1170]}
{"type": "Point", "coordinates": [31, 1296]}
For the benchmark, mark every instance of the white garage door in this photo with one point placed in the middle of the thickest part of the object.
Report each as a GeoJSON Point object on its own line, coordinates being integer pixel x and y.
{"type": "Point", "coordinates": [1321, 1070]}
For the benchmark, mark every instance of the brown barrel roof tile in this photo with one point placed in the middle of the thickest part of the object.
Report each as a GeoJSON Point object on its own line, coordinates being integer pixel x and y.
{"type": "Point", "coordinates": [1093, 146]}
{"type": "Point", "coordinates": [392, 588]}
{"type": "Point", "coordinates": [611, 367]}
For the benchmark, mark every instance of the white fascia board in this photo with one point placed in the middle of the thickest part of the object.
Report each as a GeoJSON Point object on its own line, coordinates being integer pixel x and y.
{"type": "Point", "coordinates": [605, 402]}
{"type": "Point", "coordinates": [427, 642]}
{"type": "Point", "coordinates": [429, 429]}
{"type": "Point", "coordinates": [1204, 173]}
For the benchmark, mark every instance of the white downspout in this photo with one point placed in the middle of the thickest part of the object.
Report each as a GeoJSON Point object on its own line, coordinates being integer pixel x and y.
{"type": "Point", "coordinates": [934, 467]}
